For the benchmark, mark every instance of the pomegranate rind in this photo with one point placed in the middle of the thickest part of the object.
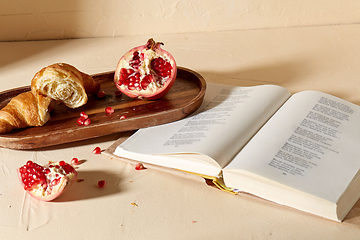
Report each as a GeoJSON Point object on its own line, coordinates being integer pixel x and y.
{"type": "Point", "coordinates": [64, 183]}
{"type": "Point", "coordinates": [154, 92]}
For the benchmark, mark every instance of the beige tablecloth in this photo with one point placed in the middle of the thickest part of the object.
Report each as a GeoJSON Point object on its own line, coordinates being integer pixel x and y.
{"type": "Point", "coordinates": [151, 204]}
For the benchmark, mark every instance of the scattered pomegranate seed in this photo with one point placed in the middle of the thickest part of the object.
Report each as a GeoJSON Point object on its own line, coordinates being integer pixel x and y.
{"type": "Point", "coordinates": [80, 121]}
{"type": "Point", "coordinates": [84, 115]}
{"type": "Point", "coordinates": [123, 117]}
{"type": "Point", "coordinates": [84, 119]}
{"type": "Point", "coordinates": [139, 166]}
{"type": "Point", "coordinates": [118, 93]}
{"type": "Point", "coordinates": [80, 180]}
{"type": "Point", "coordinates": [101, 183]}
{"type": "Point", "coordinates": [75, 161]}
{"type": "Point", "coordinates": [87, 122]}
{"type": "Point", "coordinates": [109, 110]}
{"type": "Point", "coordinates": [97, 150]}
{"type": "Point", "coordinates": [101, 94]}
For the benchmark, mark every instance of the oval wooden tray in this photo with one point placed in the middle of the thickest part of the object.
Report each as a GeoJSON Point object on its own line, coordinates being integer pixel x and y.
{"type": "Point", "coordinates": [184, 98]}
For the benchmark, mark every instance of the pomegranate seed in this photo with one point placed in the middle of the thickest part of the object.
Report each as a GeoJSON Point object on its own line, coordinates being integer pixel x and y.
{"type": "Point", "coordinates": [80, 121]}
{"type": "Point", "coordinates": [123, 71]}
{"type": "Point", "coordinates": [87, 122]}
{"type": "Point", "coordinates": [75, 161]}
{"type": "Point", "coordinates": [68, 168]}
{"type": "Point", "coordinates": [109, 110]}
{"type": "Point", "coordinates": [55, 181]}
{"type": "Point", "coordinates": [32, 174]}
{"type": "Point", "coordinates": [101, 94]}
{"type": "Point", "coordinates": [118, 93]}
{"type": "Point", "coordinates": [101, 183]}
{"type": "Point", "coordinates": [123, 117]}
{"type": "Point", "coordinates": [139, 166]}
{"type": "Point", "coordinates": [161, 67]}
{"type": "Point", "coordinates": [62, 163]}
{"type": "Point", "coordinates": [97, 150]}
{"type": "Point", "coordinates": [84, 115]}
{"type": "Point", "coordinates": [84, 119]}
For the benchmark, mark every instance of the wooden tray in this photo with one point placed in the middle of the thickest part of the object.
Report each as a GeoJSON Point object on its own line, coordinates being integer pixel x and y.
{"type": "Point", "coordinates": [184, 98]}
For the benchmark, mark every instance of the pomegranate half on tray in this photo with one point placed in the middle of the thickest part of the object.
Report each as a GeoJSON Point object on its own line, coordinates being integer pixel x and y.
{"type": "Point", "coordinates": [147, 71]}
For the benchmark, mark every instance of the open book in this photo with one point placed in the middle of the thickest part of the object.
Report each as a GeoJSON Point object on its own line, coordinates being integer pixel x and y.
{"type": "Point", "coordinates": [300, 150]}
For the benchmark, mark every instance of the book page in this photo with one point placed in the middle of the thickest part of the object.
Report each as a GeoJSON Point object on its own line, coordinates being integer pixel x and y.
{"type": "Point", "coordinates": [227, 119]}
{"type": "Point", "coordinates": [311, 144]}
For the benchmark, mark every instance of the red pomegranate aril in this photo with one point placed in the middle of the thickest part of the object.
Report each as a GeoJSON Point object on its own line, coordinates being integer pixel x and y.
{"type": "Point", "coordinates": [101, 94]}
{"type": "Point", "coordinates": [87, 122]}
{"type": "Point", "coordinates": [118, 93]}
{"type": "Point", "coordinates": [123, 117]}
{"type": "Point", "coordinates": [109, 110]}
{"type": "Point", "coordinates": [55, 181]}
{"type": "Point", "coordinates": [97, 150]}
{"type": "Point", "coordinates": [101, 183]}
{"type": "Point", "coordinates": [75, 161]}
{"type": "Point", "coordinates": [84, 119]}
{"type": "Point", "coordinates": [123, 71]}
{"type": "Point", "coordinates": [139, 166]}
{"type": "Point", "coordinates": [130, 71]}
{"type": "Point", "coordinates": [84, 115]}
{"type": "Point", "coordinates": [32, 174]}
{"type": "Point", "coordinates": [80, 121]}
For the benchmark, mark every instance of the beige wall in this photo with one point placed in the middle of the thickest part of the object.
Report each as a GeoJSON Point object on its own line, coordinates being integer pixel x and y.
{"type": "Point", "coordinates": [58, 19]}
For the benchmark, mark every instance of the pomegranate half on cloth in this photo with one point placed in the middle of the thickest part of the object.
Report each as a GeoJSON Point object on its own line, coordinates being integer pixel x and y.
{"type": "Point", "coordinates": [47, 182]}
{"type": "Point", "coordinates": [147, 71]}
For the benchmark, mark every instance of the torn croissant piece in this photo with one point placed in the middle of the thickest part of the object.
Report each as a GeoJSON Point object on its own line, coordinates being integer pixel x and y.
{"type": "Point", "coordinates": [63, 82]}
{"type": "Point", "coordinates": [24, 110]}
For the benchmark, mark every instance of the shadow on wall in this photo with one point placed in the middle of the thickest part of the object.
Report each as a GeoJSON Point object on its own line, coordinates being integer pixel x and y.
{"type": "Point", "coordinates": [10, 53]}
{"type": "Point", "coordinates": [34, 20]}
{"type": "Point", "coordinates": [41, 20]}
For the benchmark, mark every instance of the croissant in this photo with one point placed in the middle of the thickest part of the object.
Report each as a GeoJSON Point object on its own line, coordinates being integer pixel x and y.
{"type": "Point", "coordinates": [24, 110]}
{"type": "Point", "coordinates": [64, 83]}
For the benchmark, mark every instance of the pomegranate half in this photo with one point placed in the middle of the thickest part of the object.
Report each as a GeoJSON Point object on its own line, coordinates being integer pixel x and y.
{"type": "Point", "coordinates": [146, 72]}
{"type": "Point", "coordinates": [47, 182]}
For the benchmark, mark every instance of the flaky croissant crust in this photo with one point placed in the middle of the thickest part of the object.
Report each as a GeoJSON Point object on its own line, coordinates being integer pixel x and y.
{"type": "Point", "coordinates": [63, 82]}
{"type": "Point", "coordinates": [26, 109]}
